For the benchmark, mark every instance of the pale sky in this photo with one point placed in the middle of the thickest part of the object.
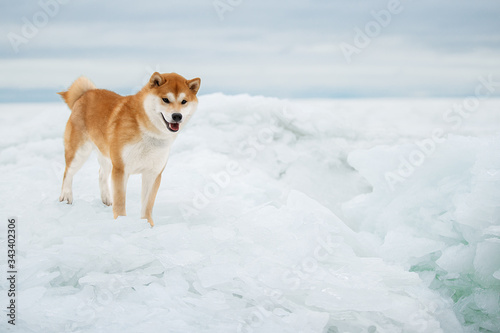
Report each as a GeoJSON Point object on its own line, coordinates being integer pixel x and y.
{"type": "Point", "coordinates": [286, 49]}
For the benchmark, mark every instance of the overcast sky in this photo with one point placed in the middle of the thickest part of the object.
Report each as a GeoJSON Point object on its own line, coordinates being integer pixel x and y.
{"type": "Point", "coordinates": [287, 49]}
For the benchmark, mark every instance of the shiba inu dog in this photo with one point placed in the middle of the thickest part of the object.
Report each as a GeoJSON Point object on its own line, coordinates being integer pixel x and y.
{"type": "Point", "coordinates": [132, 135]}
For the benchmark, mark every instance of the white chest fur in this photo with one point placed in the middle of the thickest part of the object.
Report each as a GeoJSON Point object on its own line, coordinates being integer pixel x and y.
{"type": "Point", "coordinates": [148, 155]}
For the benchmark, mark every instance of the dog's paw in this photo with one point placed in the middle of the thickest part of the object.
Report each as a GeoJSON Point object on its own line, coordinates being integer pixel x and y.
{"type": "Point", "coordinates": [118, 211]}
{"type": "Point", "coordinates": [107, 201]}
{"type": "Point", "coordinates": [66, 196]}
{"type": "Point", "coordinates": [150, 220]}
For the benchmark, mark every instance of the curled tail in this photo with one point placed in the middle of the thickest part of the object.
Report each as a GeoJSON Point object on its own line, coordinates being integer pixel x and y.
{"type": "Point", "coordinates": [77, 89]}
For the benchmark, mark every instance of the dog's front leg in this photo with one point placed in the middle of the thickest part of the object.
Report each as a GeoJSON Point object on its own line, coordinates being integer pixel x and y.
{"type": "Point", "coordinates": [150, 184]}
{"type": "Point", "coordinates": [119, 179]}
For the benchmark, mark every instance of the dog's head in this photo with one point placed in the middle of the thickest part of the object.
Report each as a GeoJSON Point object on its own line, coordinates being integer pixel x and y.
{"type": "Point", "coordinates": [170, 100]}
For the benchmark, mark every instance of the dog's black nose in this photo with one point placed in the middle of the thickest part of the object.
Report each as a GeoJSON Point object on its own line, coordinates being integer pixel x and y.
{"type": "Point", "coordinates": [176, 117]}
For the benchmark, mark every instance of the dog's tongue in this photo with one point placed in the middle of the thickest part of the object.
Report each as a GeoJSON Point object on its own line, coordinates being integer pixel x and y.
{"type": "Point", "coordinates": [174, 126]}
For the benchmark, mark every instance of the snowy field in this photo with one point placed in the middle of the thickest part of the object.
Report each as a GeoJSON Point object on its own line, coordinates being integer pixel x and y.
{"type": "Point", "coordinates": [327, 216]}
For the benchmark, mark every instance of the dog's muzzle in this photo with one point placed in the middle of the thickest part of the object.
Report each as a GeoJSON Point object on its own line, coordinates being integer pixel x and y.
{"type": "Point", "coordinates": [173, 126]}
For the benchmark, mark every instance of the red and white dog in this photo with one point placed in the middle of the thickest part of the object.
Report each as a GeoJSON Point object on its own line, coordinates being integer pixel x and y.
{"type": "Point", "coordinates": [132, 134]}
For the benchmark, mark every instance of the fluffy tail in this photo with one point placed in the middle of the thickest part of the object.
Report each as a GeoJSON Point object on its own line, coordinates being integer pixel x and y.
{"type": "Point", "coordinates": [77, 89]}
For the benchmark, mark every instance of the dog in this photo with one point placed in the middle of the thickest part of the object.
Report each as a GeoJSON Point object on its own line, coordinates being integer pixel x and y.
{"type": "Point", "coordinates": [132, 135]}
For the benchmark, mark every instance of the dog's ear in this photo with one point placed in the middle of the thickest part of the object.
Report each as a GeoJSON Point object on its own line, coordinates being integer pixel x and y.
{"type": "Point", "coordinates": [156, 80]}
{"type": "Point", "coordinates": [194, 84]}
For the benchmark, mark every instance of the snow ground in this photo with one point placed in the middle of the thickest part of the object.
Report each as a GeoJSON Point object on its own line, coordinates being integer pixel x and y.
{"type": "Point", "coordinates": [273, 216]}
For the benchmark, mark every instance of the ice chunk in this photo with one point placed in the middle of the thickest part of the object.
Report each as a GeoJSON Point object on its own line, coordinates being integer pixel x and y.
{"type": "Point", "coordinates": [496, 275]}
{"type": "Point", "coordinates": [487, 261]}
{"type": "Point", "coordinates": [401, 246]}
{"type": "Point", "coordinates": [217, 274]}
{"type": "Point", "coordinates": [457, 259]}
{"type": "Point", "coordinates": [185, 257]}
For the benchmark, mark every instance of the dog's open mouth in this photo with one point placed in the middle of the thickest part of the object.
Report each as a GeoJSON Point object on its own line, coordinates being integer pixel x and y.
{"type": "Point", "coordinates": [173, 127]}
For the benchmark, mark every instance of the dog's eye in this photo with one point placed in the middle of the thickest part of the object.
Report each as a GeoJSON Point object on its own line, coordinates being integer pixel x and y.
{"type": "Point", "coordinates": [166, 100]}
{"type": "Point", "coordinates": [184, 101]}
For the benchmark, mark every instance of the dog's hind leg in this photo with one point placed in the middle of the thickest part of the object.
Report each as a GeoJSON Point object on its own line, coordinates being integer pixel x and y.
{"type": "Point", "coordinates": [77, 150]}
{"type": "Point", "coordinates": [104, 175]}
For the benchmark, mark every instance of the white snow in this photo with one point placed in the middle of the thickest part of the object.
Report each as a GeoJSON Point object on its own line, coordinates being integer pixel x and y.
{"type": "Point", "coordinates": [273, 216]}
